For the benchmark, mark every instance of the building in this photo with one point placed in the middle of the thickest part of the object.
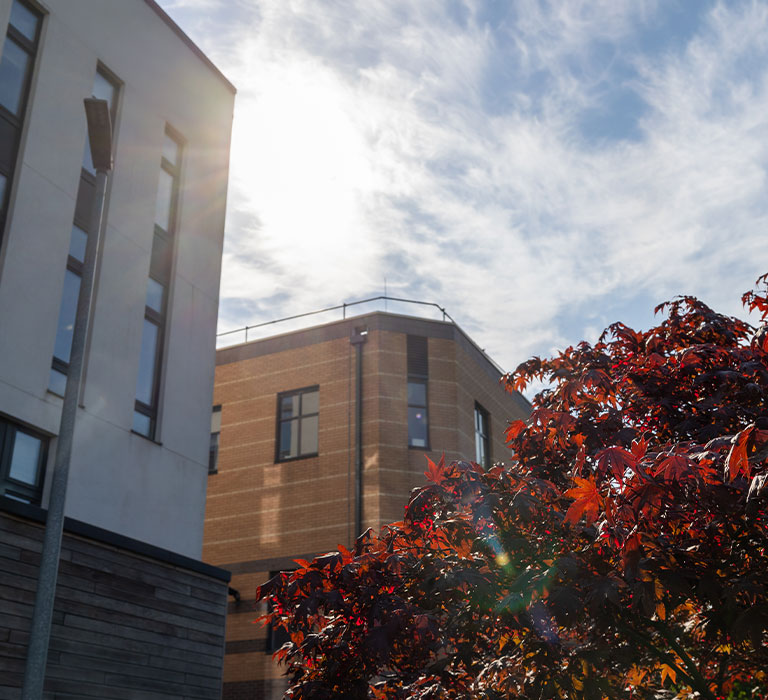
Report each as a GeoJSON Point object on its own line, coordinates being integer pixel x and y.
{"type": "Point", "coordinates": [286, 449]}
{"type": "Point", "coordinates": [132, 585]}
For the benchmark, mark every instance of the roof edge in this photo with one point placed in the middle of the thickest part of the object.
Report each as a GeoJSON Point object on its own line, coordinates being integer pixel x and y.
{"type": "Point", "coordinates": [160, 12]}
{"type": "Point", "coordinates": [388, 321]}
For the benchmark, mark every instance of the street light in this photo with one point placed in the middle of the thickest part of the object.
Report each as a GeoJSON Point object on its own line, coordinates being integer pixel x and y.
{"type": "Point", "coordinates": [100, 140]}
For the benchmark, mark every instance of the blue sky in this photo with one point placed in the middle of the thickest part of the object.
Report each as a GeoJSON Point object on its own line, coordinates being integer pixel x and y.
{"type": "Point", "coordinates": [541, 169]}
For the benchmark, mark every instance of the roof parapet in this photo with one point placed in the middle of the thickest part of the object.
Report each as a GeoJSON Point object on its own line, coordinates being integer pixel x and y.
{"type": "Point", "coordinates": [192, 45]}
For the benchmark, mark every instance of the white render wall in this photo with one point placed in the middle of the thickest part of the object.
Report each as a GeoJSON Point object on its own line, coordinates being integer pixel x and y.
{"type": "Point", "coordinates": [119, 481]}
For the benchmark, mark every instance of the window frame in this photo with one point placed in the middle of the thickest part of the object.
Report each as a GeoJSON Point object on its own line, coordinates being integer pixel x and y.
{"type": "Point", "coordinates": [145, 409]}
{"type": "Point", "coordinates": [423, 381]}
{"type": "Point", "coordinates": [417, 364]}
{"type": "Point", "coordinates": [484, 438]}
{"type": "Point", "coordinates": [213, 449]}
{"type": "Point", "coordinates": [13, 488]}
{"type": "Point", "coordinates": [16, 121]}
{"type": "Point", "coordinates": [161, 272]}
{"type": "Point", "coordinates": [298, 419]}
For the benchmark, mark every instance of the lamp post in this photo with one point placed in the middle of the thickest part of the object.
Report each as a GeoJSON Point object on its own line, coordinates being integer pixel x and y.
{"type": "Point", "coordinates": [100, 139]}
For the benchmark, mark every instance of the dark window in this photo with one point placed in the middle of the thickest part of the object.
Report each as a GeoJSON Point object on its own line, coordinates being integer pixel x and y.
{"type": "Point", "coordinates": [16, 63]}
{"type": "Point", "coordinates": [418, 372]}
{"type": "Point", "coordinates": [418, 362]}
{"type": "Point", "coordinates": [213, 453]}
{"type": "Point", "coordinates": [297, 423]}
{"type": "Point", "coordinates": [105, 88]}
{"type": "Point", "coordinates": [158, 284]}
{"type": "Point", "coordinates": [15, 68]}
{"type": "Point", "coordinates": [482, 443]}
{"type": "Point", "coordinates": [22, 462]}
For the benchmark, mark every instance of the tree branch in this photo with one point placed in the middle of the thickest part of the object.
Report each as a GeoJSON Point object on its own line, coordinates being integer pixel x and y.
{"type": "Point", "coordinates": [702, 686]}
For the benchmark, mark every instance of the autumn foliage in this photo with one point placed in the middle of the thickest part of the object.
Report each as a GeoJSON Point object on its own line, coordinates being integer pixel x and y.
{"type": "Point", "coordinates": [620, 553]}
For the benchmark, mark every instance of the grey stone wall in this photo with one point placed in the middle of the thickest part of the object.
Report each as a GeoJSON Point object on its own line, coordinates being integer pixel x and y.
{"type": "Point", "coordinates": [130, 621]}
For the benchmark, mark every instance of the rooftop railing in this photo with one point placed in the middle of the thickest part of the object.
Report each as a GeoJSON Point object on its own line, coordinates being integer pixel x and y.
{"type": "Point", "coordinates": [347, 309]}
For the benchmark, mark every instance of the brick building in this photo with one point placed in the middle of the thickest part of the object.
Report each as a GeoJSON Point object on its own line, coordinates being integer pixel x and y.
{"type": "Point", "coordinates": [289, 463]}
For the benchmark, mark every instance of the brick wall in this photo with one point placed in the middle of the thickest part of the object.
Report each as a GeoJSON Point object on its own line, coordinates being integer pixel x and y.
{"type": "Point", "coordinates": [130, 621]}
{"type": "Point", "coordinates": [261, 514]}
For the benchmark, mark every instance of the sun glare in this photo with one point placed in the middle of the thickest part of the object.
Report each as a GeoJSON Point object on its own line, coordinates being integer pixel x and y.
{"type": "Point", "coordinates": [302, 157]}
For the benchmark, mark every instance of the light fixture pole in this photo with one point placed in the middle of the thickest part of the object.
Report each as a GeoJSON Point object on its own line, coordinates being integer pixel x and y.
{"type": "Point", "coordinates": [100, 139]}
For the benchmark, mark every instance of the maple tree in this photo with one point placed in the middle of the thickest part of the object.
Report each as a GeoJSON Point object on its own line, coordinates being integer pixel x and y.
{"type": "Point", "coordinates": [620, 553]}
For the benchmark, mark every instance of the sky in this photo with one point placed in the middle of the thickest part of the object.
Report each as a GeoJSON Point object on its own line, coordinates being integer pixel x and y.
{"type": "Point", "coordinates": [538, 168]}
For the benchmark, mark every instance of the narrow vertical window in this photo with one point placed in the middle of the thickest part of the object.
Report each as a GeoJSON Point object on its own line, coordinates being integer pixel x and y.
{"type": "Point", "coordinates": [482, 442]}
{"type": "Point", "coordinates": [418, 375]}
{"type": "Point", "coordinates": [105, 88]}
{"type": "Point", "coordinates": [213, 453]}
{"type": "Point", "coordinates": [16, 64]}
{"type": "Point", "coordinates": [158, 285]}
{"type": "Point", "coordinates": [297, 423]}
{"type": "Point", "coordinates": [22, 462]}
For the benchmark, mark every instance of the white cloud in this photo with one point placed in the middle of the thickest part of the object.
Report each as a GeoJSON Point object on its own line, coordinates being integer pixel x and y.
{"type": "Point", "coordinates": [446, 152]}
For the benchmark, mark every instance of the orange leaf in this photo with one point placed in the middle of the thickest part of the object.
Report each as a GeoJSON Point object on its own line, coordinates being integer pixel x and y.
{"type": "Point", "coordinates": [515, 428]}
{"type": "Point", "coordinates": [668, 671]}
{"type": "Point", "coordinates": [587, 502]}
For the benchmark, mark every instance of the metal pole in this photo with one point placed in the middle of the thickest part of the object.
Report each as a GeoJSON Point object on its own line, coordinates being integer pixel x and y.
{"type": "Point", "coordinates": [40, 632]}
{"type": "Point", "coordinates": [359, 440]}
{"type": "Point", "coordinates": [358, 339]}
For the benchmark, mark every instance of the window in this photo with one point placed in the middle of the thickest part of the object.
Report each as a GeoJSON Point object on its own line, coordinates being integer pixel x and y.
{"type": "Point", "coordinates": [482, 443]}
{"type": "Point", "coordinates": [418, 372]}
{"type": "Point", "coordinates": [158, 285]}
{"type": "Point", "coordinates": [23, 454]}
{"type": "Point", "coordinates": [418, 426]}
{"type": "Point", "coordinates": [297, 423]}
{"type": "Point", "coordinates": [105, 88]}
{"type": "Point", "coordinates": [213, 453]}
{"type": "Point", "coordinates": [16, 65]}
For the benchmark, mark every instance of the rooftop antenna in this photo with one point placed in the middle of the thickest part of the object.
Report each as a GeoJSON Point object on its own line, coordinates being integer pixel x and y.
{"type": "Point", "coordinates": [385, 292]}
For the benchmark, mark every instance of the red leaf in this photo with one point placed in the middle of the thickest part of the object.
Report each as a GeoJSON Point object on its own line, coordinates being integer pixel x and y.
{"type": "Point", "coordinates": [737, 459]}
{"type": "Point", "coordinates": [346, 555]}
{"type": "Point", "coordinates": [639, 447]}
{"type": "Point", "coordinates": [616, 461]}
{"type": "Point", "coordinates": [674, 468]}
{"type": "Point", "coordinates": [587, 502]}
{"type": "Point", "coordinates": [436, 472]}
{"type": "Point", "coordinates": [580, 458]}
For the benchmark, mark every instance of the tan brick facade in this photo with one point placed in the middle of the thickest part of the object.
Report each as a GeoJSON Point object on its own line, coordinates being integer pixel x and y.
{"type": "Point", "coordinates": [261, 514]}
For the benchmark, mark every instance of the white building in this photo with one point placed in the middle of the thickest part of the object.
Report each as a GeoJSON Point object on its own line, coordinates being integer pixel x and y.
{"type": "Point", "coordinates": [139, 463]}
{"type": "Point", "coordinates": [137, 613]}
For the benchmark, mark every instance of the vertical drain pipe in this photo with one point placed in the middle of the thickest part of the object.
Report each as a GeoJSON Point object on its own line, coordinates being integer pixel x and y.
{"type": "Point", "coordinates": [359, 337]}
